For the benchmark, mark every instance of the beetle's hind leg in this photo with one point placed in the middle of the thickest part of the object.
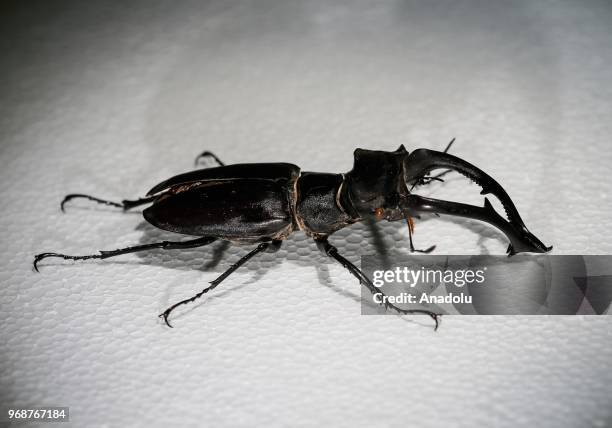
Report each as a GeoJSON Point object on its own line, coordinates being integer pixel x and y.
{"type": "Point", "coordinates": [165, 245]}
{"type": "Point", "coordinates": [329, 250]}
{"type": "Point", "coordinates": [124, 204]}
{"type": "Point", "coordinates": [271, 247]}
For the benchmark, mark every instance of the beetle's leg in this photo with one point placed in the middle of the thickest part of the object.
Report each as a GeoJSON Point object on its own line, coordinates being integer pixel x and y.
{"type": "Point", "coordinates": [125, 204]}
{"type": "Point", "coordinates": [410, 223]}
{"type": "Point", "coordinates": [165, 245]}
{"type": "Point", "coordinates": [422, 161]}
{"type": "Point", "coordinates": [331, 251]}
{"type": "Point", "coordinates": [264, 246]}
{"type": "Point", "coordinates": [208, 154]}
{"type": "Point", "coordinates": [520, 238]}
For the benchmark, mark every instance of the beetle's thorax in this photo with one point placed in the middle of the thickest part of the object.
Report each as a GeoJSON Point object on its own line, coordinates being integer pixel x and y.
{"type": "Point", "coordinates": [318, 209]}
{"type": "Point", "coordinates": [375, 184]}
{"type": "Point", "coordinates": [325, 203]}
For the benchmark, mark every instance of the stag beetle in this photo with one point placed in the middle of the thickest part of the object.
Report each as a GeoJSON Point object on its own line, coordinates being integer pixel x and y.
{"type": "Point", "coordinates": [263, 203]}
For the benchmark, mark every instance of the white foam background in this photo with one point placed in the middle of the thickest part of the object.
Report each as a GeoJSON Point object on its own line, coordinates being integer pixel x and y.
{"type": "Point", "coordinates": [109, 100]}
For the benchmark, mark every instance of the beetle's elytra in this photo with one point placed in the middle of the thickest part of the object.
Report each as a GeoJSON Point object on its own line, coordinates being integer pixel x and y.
{"type": "Point", "coordinates": [263, 203]}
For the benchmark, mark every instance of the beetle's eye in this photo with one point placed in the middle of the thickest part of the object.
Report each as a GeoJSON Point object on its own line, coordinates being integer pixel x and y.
{"type": "Point", "coordinates": [379, 213]}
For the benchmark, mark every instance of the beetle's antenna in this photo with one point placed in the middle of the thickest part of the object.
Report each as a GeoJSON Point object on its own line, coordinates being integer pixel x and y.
{"type": "Point", "coordinates": [449, 145]}
{"type": "Point", "coordinates": [125, 204]}
{"type": "Point", "coordinates": [443, 173]}
{"type": "Point", "coordinates": [426, 180]}
{"type": "Point", "coordinates": [438, 177]}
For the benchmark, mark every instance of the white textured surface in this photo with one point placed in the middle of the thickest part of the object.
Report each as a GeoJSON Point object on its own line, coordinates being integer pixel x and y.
{"type": "Point", "coordinates": [109, 101]}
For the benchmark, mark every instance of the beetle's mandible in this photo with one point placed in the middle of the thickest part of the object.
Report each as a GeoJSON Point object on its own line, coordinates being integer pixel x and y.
{"type": "Point", "coordinates": [263, 203]}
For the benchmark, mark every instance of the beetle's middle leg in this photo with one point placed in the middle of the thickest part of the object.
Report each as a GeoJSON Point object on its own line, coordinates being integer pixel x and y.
{"type": "Point", "coordinates": [329, 250]}
{"type": "Point", "coordinates": [270, 247]}
{"type": "Point", "coordinates": [165, 245]}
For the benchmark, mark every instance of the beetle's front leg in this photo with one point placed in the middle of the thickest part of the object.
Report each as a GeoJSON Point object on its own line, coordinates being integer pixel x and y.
{"type": "Point", "coordinates": [329, 250]}
{"type": "Point", "coordinates": [422, 161]}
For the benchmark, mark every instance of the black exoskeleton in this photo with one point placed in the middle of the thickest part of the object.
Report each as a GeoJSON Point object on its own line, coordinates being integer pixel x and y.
{"type": "Point", "coordinates": [264, 203]}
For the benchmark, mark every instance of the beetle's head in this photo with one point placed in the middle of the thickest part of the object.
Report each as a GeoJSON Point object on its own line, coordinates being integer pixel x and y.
{"type": "Point", "coordinates": [375, 184]}
{"type": "Point", "coordinates": [379, 186]}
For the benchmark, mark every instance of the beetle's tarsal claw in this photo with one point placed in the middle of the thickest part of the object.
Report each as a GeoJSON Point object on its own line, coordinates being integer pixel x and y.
{"type": "Point", "coordinates": [430, 249]}
{"type": "Point", "coordinates": [425, 251]}
{"type": "Point", "coordinates": [437, 319]}
{"type": "Point", "coordinates": [41, 256]}
{"type": "Point", "coordinates": [36, 260]}
{"type": "Point", "coordinates": [164, 316]}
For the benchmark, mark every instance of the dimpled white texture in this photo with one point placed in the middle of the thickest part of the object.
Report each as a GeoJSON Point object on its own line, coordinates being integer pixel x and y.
{"type": "Point", "coordinates": [110, 100]}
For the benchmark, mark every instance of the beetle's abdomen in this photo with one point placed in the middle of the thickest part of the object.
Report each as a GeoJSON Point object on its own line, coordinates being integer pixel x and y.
{"type": "Point", "coordinates": [318, 211]}
{"type": "Point", "coordinates": [247, 210]}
